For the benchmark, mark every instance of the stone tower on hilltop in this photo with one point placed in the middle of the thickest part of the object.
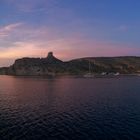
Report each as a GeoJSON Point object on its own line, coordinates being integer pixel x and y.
{"type": "Point", "coordinates": [50, 54]}
{"type": "Point", "coordinates": [52, 59]}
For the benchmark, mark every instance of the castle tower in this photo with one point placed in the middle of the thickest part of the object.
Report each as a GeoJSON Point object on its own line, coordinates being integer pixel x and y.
{"type": "Point", "coordinates": [50, 54]}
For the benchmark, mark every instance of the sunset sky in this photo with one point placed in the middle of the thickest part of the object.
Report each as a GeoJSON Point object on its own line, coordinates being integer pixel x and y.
{"type": "Point", "coordinates": [69, 28]}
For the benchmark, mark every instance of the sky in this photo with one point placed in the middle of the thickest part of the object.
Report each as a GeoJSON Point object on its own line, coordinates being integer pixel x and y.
{"type": "Point", "coordinates": [70, 28]}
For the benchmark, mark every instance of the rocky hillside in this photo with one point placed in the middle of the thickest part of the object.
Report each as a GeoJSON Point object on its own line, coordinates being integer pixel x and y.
{"type": "Point", "coordinates": [51, 66]}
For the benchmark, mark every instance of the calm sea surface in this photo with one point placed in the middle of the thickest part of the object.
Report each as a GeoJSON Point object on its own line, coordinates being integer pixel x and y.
{"type": "Point", "coordinates": [69, 108]}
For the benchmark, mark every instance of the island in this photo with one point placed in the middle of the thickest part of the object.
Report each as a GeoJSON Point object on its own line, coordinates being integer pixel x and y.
{"type": "Point", "coordinates": [53, 66]}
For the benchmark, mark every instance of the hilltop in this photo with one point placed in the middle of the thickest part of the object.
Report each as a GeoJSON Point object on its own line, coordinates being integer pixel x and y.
{"type": "Point", "coordinates": [52, 66]}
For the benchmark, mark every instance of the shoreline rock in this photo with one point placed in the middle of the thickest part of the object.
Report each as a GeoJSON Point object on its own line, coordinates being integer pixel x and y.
{"type": "Point", "coordinates": [53, 66]}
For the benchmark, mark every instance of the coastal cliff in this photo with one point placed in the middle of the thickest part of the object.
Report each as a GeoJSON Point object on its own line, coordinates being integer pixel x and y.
{"type": "Point", "coordinates": [53, 66]}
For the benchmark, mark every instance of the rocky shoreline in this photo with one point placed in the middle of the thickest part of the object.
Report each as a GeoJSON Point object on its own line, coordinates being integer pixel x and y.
{"type": "Point", "coordinates": [51, 66]}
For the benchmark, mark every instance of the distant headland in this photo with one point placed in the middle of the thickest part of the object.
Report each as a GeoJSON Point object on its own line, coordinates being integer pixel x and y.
{"type": "Point", "coordinates": [53, 66]}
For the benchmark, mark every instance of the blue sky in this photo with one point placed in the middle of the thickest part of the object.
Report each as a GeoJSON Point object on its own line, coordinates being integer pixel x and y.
{"type": "Point", "coordinates": [70, 28]}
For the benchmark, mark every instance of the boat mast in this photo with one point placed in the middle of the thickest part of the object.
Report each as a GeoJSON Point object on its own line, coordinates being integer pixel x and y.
{"type": "Point", "coordinates": [89, 67]}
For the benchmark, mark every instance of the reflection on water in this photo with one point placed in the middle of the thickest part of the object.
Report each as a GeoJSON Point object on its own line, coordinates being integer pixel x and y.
{"type": "Point", "coordinates": [69, 108]}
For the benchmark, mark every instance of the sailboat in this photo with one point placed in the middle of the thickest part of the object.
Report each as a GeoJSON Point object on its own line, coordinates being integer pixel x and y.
{"type": "Point", "coordinates": [89, 74]}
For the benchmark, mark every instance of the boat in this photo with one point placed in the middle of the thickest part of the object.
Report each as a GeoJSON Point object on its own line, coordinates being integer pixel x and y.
{"type": "Point", "coordinates": [104, 73]}
{"type": "Point", "coordinates": [116, 74]}
{"type": "Point", "coordinates": [89, 74]}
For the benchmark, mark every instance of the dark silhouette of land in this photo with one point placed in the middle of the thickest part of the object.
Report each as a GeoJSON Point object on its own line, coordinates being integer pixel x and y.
{"type": "Point", "coordinates": [53, 66]}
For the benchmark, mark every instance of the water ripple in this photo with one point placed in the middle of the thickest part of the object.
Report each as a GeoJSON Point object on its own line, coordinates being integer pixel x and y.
{"type": "Point", "coordinates": [69, 109]}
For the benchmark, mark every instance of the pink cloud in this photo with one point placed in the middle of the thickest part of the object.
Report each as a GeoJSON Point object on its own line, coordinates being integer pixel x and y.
{"type": "Point", "coordinates": [5, 30]}
{"type": "Point", "coordinates": [67, 49]}
{"type": "Point", "coordinates": [37, 43]}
